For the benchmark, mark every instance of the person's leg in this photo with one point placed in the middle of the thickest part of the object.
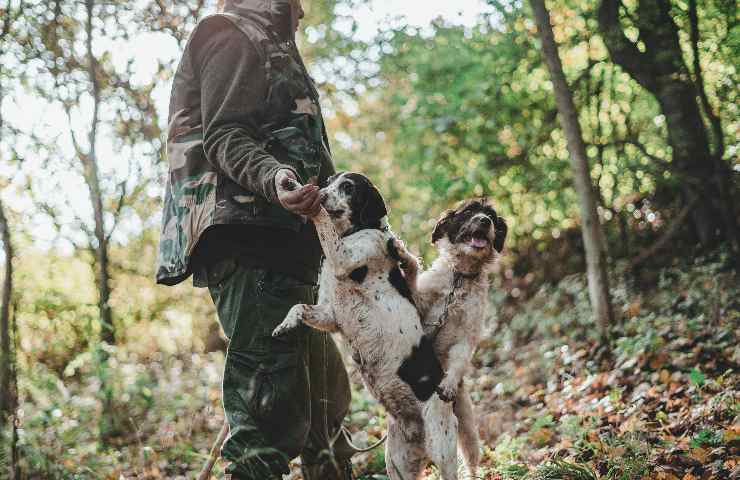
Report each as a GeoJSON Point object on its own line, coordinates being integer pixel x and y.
{"type": "Point", "coordinates": [266, 393]}
{"type": "Point", "coordinates": [327, 454]}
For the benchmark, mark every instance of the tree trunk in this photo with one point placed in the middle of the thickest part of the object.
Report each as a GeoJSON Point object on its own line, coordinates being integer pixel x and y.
{"type": "Point", "coordinates": [593, 238]}
{"type": "Point", "coordinates": [92, 177]}
{"type": "Point", "coordinates": [108, 424]}
{"type": "Point", "coordinates": [661, 70]}
{"type": "Point", "coordinates": [6, 352]}
{"type": "Point", "coordinates": [15, 466]}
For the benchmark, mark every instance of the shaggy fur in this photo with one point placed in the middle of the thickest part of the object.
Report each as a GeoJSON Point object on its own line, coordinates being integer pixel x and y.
{"type": "Point", "coordinates": [364, 297]}
{"type": "Point", "coordinates": [469, 239]}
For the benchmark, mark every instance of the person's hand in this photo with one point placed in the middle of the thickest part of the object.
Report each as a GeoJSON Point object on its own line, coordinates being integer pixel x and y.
{"type": "Point", "coordinates": [301, 200]}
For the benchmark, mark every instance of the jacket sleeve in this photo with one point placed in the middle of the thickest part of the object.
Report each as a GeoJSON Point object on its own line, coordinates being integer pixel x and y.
{"type": "Point", "coordinates": [233, 90]}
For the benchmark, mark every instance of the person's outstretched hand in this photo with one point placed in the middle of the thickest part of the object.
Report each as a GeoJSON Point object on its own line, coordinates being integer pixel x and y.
{"type": "Point", "coordinates": [301, 200]}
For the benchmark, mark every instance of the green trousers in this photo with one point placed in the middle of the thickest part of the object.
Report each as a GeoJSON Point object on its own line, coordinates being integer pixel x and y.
{"type": "Point", "coordinates": [283, 396]}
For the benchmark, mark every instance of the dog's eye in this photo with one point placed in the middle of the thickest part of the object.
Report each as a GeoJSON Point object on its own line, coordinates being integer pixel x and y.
{"type": "Point", "coordinates": [347, 188]}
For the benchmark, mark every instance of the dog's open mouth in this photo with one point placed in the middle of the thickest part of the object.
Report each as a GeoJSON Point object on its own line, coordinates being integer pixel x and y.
{"type": "Point", "coordinates": [478, 240]}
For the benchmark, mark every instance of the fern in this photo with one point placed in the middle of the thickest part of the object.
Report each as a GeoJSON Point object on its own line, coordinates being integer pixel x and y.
{"type": "Point", "coordinates": [4, 461]}
{"type": "Point", "coordinates": [560, 470]}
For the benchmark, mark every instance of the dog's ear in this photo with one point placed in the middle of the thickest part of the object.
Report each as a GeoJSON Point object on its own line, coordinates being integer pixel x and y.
{"type": "Point", "coordinates": [501, 231]}
{"type": "Point", "coordinates": [441, 228]}
{"type": "Point", "coordinates": [327, 181]}
{"type": "Point", "coordinates": [374, 208]}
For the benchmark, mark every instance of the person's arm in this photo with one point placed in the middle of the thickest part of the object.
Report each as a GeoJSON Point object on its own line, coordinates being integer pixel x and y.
{"type": "Point", "coordinates": [233, 88]}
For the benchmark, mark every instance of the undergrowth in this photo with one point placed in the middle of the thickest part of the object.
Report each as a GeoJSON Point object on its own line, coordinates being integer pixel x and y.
{"type": "Point", "coordinates": [664, 404]}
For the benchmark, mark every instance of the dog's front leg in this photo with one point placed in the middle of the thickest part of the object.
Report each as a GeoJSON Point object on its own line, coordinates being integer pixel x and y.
{"type": "Point", "coordinates": [319, 317]}
{"type": "Point", "coordinates": [458, 360]}
{"type": "Point", "coordinates": [410, 266]}
{"type": "Point", "coordinates": [343, 259]}
{"type": "Point", "coordinates": [409, 263]}
{"type": "Point", "coordinates": [330, 242]}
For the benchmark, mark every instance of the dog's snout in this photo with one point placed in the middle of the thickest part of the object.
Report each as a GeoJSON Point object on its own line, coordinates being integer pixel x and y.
{"type": "Point", "coordinates": [485, 221]}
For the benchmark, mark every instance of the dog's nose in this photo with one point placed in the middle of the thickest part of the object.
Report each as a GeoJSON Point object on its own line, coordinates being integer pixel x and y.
{"type": "Point", "coordinates": [485, 221]}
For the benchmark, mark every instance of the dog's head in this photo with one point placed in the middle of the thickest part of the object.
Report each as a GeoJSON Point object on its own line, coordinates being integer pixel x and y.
{"type": "Point", "coordinates": [353, 202]}
{"type": "Point", "coordinates": [472, 229]}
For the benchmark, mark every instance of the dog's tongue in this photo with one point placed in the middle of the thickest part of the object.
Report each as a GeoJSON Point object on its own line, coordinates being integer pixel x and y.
{"type": "Point", "coordinates": [478, 242]}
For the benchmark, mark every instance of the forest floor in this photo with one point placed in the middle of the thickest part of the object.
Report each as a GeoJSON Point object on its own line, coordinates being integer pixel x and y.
{"type": "Point", "coordinates": [663, 404]}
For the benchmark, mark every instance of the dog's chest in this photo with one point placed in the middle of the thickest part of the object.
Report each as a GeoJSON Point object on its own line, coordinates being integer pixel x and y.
{"type": "Point", "coordinates": [457, 316]}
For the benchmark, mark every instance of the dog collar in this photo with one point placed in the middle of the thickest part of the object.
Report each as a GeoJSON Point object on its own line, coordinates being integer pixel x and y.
{"type": "Point", "coordinates": [354, 230]}
{"type": "Point", "coordinates": [459, 276]}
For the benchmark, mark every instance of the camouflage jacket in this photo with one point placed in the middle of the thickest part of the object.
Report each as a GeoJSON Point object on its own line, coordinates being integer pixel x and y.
{"type": "Point", "coordinates": [234, 121]}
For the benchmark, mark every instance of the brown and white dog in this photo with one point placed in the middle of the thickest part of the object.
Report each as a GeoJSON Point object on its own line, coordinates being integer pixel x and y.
{"type": "Point", "coordinates": [365, 298]}
{"type": "Point", "coordinates": [453, 298]}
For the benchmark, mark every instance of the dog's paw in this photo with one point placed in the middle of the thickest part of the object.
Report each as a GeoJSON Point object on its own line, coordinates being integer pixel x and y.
{"type": "Point", "coordinates": [446, 393]}
{"type": "Point", "coordinates": [395, 247]}
{"type": "Point", "coordinates": [284, 328]}
{"type": "Point", "coordinates": [292, 321]}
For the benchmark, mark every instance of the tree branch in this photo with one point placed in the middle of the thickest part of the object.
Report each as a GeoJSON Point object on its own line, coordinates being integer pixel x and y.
{"type": "Point", "coordinates": [622, 50]}
{"type": "Point", "coordinates": [123, 190]}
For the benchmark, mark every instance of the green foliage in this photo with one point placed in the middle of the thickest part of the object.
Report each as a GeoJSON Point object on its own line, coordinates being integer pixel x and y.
{"type": "Point", "coordinates": [4, 461]}
{"type": "Point", "coordinates": [560, 470]}
{"type": "Point", "coordinates": [697, 378]}
{"type": "Point", "coordinates": [632, 458]}
{"type": "Point", "coordinates": [706, 438]}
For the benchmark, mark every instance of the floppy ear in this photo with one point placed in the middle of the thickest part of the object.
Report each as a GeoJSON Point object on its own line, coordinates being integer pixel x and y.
{"type": "Point", "coordinates": [327, 181]}
{"type": "Point", "coordinates": [374, 208]}
{"type": "Point", "coordinates": [440, 229]}
{"type": "Point", "coordinates": [501, 231]}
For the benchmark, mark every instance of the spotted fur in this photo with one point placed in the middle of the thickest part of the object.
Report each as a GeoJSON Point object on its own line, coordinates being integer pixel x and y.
{"type": "Point", "coordinates": [469, 239]}
{"type": "Point", "coordinates": [379, 324]}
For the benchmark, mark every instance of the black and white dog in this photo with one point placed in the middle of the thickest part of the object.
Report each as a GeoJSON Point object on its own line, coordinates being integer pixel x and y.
{"type": "Point", "coordinates": [453, 298]}
{"type": "Point", "coordinates": [366, 299]}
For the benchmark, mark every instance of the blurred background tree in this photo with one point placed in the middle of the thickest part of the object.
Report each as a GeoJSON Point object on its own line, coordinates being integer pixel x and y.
{"type": "Point", "coordinates": [593, 237]}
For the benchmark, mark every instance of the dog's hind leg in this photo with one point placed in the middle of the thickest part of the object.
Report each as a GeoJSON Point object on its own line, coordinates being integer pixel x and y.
{"type": "Point", "coordinates": [441, 437]}
{"type": "Point", "coordinates": [320, 317]}
{"type": "Point", "coordinates": [458, 360]}
{"type": "Point", "coordinates": [403, 459]}
{"type": "Point", "coordinates": [467, 430]}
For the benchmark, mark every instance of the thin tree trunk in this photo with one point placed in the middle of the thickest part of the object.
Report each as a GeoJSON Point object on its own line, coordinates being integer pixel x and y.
{"type": "Point", "coordinates": [108, 427]}
{"type": "Point", "coordinates": [593, 239]}
{"type": "Point", "coordinates": [6, 357]}
{"type": "Point", "coordinates": [15, 467]}
{"type": "Point", "coordinates": [5, 297]}
{"type": "Point", "coordinates": [92, 177]}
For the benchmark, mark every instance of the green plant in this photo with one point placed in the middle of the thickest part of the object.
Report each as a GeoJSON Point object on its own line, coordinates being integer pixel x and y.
{"type": "Point", "coordinates": [706, 438]}
{"type": "Point", "coordinates": [561, 470]}
{"type": "Point", "coordinates": [697, 377]}
{"type": "Point", "coordinates": [628, 457]}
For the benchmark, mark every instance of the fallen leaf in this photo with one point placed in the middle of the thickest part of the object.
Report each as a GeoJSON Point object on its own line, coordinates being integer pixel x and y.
{"type": "Point", "coordinates": [700, 454]}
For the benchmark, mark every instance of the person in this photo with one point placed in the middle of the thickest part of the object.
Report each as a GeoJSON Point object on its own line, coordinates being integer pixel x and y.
{"type": "Point", "coordinates": [244, 120]}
